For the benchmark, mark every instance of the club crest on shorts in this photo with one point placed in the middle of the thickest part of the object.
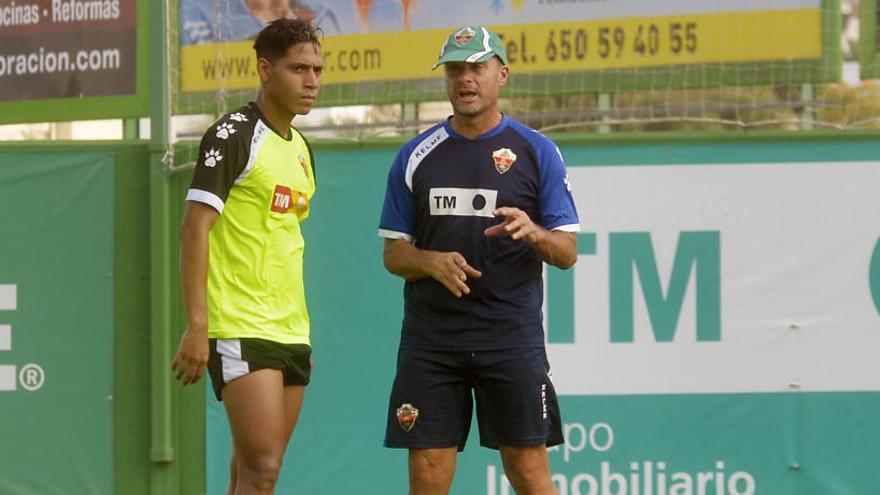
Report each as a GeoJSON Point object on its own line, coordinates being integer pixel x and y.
{"type": "Point", "coordinates": [464, 35]}
{"type": "Point", "coordinates": [504, 159]}
{"type": "Point", "coordinates": [407, 415]}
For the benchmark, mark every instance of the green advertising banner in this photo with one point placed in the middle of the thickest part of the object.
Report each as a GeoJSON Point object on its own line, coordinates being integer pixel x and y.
{"type": "Point", "coordinates": [56, 322]}
{"type": "Point", "coordinates": [718, 335]}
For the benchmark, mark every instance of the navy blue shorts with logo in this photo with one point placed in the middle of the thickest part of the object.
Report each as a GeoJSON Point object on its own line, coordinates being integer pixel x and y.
{"type": "Point", "coordinates": [233, 358]}
{"type": "Point", "coordinates": [433, 397]}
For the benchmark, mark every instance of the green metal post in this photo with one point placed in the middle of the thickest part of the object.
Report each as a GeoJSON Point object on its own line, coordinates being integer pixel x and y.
{"type": "Point", "coordinates": [604, 104]}
{"type": "Point", "coordinates": [868, 40]}
{"type": "Point", "coordinates": [808, 114]}
{"type": "Point", "coordinates": [410, 114]}
{"type": "Point", "coordinates": [161, 440]}
{"type": "Point", "coordinates": [130, 129]}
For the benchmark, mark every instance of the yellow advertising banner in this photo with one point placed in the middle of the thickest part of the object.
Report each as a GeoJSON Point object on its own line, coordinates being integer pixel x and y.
{"type": "Point", "coordinates": [547, 47]}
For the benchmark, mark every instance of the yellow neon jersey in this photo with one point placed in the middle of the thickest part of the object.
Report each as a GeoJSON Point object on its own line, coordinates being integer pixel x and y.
{"type": "Point", "coordinates": [261, 183]}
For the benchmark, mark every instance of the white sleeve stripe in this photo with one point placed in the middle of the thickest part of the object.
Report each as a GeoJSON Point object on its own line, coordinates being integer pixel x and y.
{"type": "Point", "coordinates": [421, 151]}
{"type": "Point", "coordinates": [260, 133]}
{"type": "Point", "coordinates": [572, 227]}
{"type": "Point", "coordinates": [392, 234]}
{"type": "Point", "coordinates": [207, 198]}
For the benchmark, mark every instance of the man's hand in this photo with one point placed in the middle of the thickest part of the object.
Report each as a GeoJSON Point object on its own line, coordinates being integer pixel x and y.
{"type": "Point", "coordinates": [517, 225]}
{"type": "Point", "coordinates": [191, 357]}
{"type": "Point", "coordinates": [451, 270]}
{"type": "Point", "coordinates": [555, 247]}
{"type": "Point", "coordinates": [411, 263]}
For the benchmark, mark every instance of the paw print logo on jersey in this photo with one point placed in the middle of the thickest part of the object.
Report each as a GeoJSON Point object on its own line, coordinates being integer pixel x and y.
{"type": "Point", "coordinates": [224, 130]}
{"type": "Point", "coordinates": [504, 159]}
{"type": "Point", "coordinates": [238, 117]}
{"type": "Point", "coordinates": [407, 416]}
{"type": "Point", "coordinates": [212, 156]}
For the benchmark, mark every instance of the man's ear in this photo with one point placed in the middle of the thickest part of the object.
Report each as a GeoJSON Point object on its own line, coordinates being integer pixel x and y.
{"type": "Point", "coordinates": [264, 69]}
{"type": "Point", "coordinates": [504, 74]}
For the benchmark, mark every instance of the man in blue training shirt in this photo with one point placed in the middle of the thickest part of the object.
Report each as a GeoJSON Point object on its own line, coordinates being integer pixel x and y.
{"type": "Point", "coordinates": [473, 208]}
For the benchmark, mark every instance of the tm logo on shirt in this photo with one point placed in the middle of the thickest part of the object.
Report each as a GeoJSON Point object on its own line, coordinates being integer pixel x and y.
{"type": "Point", "coordinates": [462, 202]}
{"type": "Point", "coordinates": [283, 200]}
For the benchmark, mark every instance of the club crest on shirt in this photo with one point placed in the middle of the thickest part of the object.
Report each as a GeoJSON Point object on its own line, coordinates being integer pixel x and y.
{"type": "Point", "coordinates": [464, 35]}
{"type": "Point", "coordinates": [504, 159]}
{"type": "Point", "coordinates": [304, 164]}
{"type": "Point", "coordinates": [407, 415]}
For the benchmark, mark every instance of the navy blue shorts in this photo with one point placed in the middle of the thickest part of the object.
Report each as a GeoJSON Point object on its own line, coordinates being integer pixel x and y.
{"type": "Point", "coordinates": [432, 399]}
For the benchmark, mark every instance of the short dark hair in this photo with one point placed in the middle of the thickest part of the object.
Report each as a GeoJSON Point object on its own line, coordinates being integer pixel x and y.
{"type": "Point", "coordinates": [281, 34]}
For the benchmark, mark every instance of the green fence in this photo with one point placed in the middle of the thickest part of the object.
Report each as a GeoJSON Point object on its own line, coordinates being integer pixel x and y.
{"type": "Point", "coordinates": [760, 432]}
{"type": "Point", "coordinates": [781, 398]}
{"type": "Point", "coordinates": [75, 246]}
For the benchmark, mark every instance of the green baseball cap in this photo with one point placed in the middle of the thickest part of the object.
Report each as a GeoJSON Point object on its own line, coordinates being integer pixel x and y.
{"type": "Point", "coordinates": [471, 44]}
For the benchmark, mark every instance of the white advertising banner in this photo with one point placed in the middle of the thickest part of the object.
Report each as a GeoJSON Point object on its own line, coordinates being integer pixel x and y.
{"type": "Point", "coordinates": [792, 244]}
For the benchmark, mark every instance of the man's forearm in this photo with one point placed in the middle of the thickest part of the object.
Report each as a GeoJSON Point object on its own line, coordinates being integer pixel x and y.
{"type": "Point", "coordinates": [405, 260]}
{"type": "Point", "coordinates": [194, 276]}
{"type": "Point", "coordinates": [557, 248]}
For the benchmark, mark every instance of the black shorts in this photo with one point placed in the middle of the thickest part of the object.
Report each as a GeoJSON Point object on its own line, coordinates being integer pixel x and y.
{"type": "Point", "coordinates": [433, 395]}
{"type": "Point", "coordinates": [233, 358]}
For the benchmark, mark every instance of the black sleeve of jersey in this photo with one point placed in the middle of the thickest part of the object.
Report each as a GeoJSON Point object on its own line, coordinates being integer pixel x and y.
{"type": "Point", "coordinates": [222, 158]}
{"type": "Point", "coordinates": [311, 154]}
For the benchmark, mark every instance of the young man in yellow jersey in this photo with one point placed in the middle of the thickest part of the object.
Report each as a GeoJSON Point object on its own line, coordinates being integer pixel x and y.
{"type": "Point", "coordinates": [241, 257]}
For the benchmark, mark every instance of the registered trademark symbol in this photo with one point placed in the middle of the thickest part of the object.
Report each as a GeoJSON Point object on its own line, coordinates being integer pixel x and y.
{"type": "Point", "coordinates": [31, 377]}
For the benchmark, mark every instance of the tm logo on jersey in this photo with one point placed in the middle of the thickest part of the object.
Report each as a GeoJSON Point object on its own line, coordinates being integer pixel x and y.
{"type": "Point", "coordinates": [462, 202]}
{"type": "Point", "coordinates": [284, 200]}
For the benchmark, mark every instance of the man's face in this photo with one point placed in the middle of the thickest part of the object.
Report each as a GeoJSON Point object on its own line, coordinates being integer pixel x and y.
{"type": "Point", "coordinates": [473, 87]}
{"type": "Point", "coordinates": [293, 81]}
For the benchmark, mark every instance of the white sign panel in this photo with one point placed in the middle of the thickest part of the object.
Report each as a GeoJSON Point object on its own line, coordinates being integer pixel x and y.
{"type": "Point", "coordinates": [792, 244]}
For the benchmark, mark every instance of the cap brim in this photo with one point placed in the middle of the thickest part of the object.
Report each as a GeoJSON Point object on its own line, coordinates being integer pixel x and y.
{"type": "Point", "coordinates": [462, 56]}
